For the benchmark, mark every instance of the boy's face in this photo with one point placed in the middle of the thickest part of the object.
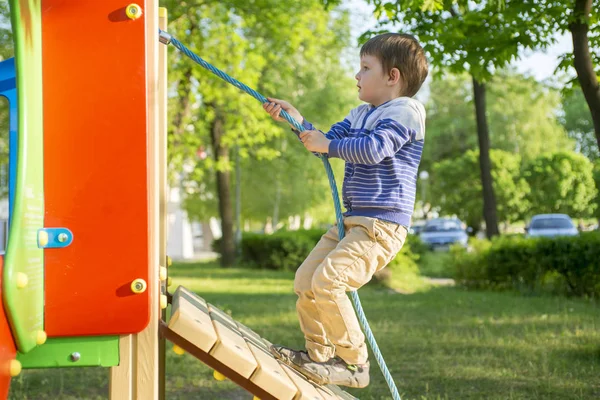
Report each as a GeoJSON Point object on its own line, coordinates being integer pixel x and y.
{"type": "Point", "coordinates": [373, 83]}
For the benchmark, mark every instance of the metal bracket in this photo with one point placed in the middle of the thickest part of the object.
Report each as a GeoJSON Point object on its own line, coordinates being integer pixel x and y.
{"type": "Point", "coordinates": [52, 238]}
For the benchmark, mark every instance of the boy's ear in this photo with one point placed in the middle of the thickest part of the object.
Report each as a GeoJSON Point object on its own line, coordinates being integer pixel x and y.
{"type": "Point", "coordinates": [394, 76]}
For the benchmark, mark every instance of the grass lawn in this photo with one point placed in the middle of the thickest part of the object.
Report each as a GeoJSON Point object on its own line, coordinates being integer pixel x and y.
{"type": "Point", "coordinates": [439, 343]}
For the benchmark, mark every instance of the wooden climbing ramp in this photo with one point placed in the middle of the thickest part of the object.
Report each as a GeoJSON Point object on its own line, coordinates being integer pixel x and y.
{"type": "Point", "coordinates": [236, 352]}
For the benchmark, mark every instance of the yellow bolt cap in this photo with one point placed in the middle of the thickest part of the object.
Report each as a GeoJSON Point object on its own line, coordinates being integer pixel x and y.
{"type": "Point", "coordinates": [22, 280]}
{"type": "Point", "coordinates": [139, 286]}
{"type": "Point", "coordinates": [178, 350]}
{"type": "Point", "coordinates": [15, 368]}
{"type": "Point", "coordinates": [133, 11]}
{"type": "Point", "coordinates": [163, 273]}
{"type": "Point", "coordinates": [219, 376]}
{"type": "Point", "coordinates": [163, 302]}
{"type": "Point", "coordinates": [169, 281]}
{"type": "Point", "coordinates": [169, 261]}
{"type": "Point", "coordinates": [256, 398]}
{"type": "Point", "coordinates": [42, 238]}
{"type": "Point", "coordinates": [41, 337]}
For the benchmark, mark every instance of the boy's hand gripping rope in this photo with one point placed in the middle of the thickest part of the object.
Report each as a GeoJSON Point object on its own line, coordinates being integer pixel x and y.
{"type": "Point", "coordinates": [166, 39]}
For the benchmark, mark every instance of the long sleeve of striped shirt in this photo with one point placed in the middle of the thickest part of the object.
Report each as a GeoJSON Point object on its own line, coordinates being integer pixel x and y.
{"type": "Point", "coordinates": [384, 141]}
{"type": "Point", "coordinates": [338, 130]}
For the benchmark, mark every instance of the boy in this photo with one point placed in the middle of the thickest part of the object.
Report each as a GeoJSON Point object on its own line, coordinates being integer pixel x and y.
{"type": "Point", "coordinates": [382, 143]}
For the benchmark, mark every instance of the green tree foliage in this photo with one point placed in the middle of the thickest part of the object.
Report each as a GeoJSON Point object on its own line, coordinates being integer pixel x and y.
{"type": "Point", "coordinates": [319, 88]}
{"type": "Point", "coordinates": [522, 115]}
{"type": "Point", "coordinates": [456, 187]}
{"type": "Point", "coordinates": [474, 36]}
{"type": "Point", "coordinates": [577, 121]}
{"type": "Point", "coordinates": [451, 128]}
{"type": "Point", "coordinates": [561, 182]}
{"type": "Point", "coordinates": [291, 184]}
{"type": "Point", "coordinates": [281, 55]}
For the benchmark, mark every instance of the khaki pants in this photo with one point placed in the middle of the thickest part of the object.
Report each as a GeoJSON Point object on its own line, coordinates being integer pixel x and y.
{"type": "Point", "coordinates": [333, 268]}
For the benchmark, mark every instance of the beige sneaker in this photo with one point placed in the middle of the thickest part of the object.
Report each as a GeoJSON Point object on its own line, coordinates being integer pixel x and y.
{"type": "Point", "coordinates": [300, 361]}
{"type": "Point", "coordinates": [337, 372]}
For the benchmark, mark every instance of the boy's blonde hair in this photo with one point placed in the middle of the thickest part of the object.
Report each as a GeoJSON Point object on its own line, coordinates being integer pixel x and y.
{"type": "Point", "coordinates": [402, 51]}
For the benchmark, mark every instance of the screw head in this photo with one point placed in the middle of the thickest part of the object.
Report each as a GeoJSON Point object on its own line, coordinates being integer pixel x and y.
{"type": "Point", "coordinates": [62, 237]}
{"type": "Point", "coordinates": [75, 356]}
{"type": "Point", "coordinates": [138, 286]}
{"type": "Point", "coordinates": [133, 11]}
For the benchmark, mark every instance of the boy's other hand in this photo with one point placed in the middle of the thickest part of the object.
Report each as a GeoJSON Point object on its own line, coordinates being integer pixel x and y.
{"type": "Point", "coordinates": [275, 106]}
{"type": "Point", "coordinates": [315, 141]}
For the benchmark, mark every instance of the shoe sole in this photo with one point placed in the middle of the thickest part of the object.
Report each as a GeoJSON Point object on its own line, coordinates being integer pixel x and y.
{"type": "Point", "coordinates": [318, 379]}
{"type": "Point", "coordinates": [351, 386]}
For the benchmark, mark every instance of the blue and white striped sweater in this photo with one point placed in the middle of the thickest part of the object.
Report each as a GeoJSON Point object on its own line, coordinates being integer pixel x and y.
{"type": "Point", "coordinates": [382, 147]}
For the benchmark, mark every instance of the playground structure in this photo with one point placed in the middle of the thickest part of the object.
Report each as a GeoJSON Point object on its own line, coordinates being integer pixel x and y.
{"type": "Point", "coordinates": [84, 273]}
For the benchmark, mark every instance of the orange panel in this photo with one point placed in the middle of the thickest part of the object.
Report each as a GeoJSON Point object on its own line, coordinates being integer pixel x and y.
{"type": "Point", "coordinates": [94, 84]}
{"type": "Point", "coordinates": [8, 351]}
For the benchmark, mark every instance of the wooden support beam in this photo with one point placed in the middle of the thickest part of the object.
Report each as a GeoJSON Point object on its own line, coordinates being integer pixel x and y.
{"type": "Point", "coordinates": [163, 187]}
{"type": "Point", "coordinates": [137, 376]}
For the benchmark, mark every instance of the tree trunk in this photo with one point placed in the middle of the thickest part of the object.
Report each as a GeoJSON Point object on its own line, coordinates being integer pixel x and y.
{"type": "Point", "coordinates": [221, 153]}
{"type": "Point", "coordinates": [485, 165]}
{"type": "Point", "coordinates": [583, 61]}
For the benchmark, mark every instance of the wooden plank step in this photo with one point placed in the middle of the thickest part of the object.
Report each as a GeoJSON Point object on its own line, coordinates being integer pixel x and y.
{"type": "Point", "coordinates": [190, 319]}
{"type": "Point", "coordinates": [231, 348]}
{"type": "Point", "coordinates": [270, 375]}
{"type": "Point", "coordinates": [237, 352]}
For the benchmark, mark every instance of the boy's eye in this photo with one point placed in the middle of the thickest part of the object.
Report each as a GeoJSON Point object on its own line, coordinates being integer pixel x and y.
{"type": "Point", "coordinates": [365, 68]}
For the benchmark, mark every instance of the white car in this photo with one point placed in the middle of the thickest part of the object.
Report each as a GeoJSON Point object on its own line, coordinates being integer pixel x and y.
{"type": "Point", "coordinates": [551, 225]}
{"type": "Point", "coordinates": [440, 233]}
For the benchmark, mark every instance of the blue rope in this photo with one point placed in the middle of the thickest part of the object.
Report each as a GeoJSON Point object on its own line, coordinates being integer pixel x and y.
{"type": "Point", "coordinates": [165, 38]}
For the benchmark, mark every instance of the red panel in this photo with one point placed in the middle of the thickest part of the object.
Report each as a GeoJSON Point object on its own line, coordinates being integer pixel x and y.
{"type": "Point", "coordinates": [7, 346]}
{"type": "Point", "coordinates": [95, 166]}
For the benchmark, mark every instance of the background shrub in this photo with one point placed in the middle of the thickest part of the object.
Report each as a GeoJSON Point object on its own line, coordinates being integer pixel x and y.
{"type": "Point", "coordinates": [286, 250]}
{"type": "Point", "coordinates": [565, 265]}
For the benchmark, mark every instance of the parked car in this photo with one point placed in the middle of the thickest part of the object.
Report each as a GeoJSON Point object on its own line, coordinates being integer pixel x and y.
{"type": "Point", "coordinates": [551, 225]}
{"type": "Point", "coordinates": [441, 233]}
{"type": "Point", "coordinates": [416, 227]}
